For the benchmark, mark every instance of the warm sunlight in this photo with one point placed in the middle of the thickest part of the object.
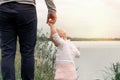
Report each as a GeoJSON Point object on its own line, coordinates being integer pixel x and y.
{"type": "Point", "coordinates": [86, 18]}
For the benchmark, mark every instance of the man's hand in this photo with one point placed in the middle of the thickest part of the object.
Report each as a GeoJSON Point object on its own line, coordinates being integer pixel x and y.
{"type": "Point", "coordinates": [51, 18]}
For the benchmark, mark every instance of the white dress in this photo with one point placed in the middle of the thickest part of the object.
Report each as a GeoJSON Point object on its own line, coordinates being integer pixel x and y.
{"type": "Point", "coordinates": [66, 52]}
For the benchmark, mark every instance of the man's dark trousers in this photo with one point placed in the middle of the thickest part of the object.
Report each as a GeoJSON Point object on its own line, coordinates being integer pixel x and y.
{"type": "Point", "coordinates": [20, 20]}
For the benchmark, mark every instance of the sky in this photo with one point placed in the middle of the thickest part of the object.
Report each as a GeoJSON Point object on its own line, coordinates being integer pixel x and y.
{"type": "Point", "coordinates": [84, 18]}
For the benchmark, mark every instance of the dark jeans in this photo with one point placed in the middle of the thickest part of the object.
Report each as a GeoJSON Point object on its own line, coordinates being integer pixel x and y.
{"type": "Point", "coordinates": [18, 20]}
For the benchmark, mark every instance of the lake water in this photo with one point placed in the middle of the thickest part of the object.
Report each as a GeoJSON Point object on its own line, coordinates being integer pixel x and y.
{"type": "Point", "coordinates": [95, 57]}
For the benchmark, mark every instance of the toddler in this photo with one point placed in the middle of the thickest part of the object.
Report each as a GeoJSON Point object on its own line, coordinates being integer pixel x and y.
{"type": "Point", "coordinates": [66, 52]}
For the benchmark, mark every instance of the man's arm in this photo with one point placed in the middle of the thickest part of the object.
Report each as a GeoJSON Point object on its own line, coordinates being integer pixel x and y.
{"type": "Point", "coordinates": [51, 17]}
{"type": "Point", "coordinates": [51, 6]}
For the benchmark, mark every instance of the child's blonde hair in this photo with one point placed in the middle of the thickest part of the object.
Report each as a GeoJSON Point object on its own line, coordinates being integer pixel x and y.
{"type": "Point", "coordinates": [61, 33]}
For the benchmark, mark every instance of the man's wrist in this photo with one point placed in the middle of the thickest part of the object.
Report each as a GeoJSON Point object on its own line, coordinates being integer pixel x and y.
{"type": "Point", "coordinates": [51, 11]}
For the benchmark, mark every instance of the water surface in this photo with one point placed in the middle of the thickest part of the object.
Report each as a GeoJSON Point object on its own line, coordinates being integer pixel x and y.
{"type": "Point", "coordinates": [95, 56]}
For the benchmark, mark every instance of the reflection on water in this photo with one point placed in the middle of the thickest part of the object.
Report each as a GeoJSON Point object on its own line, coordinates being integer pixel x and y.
{"type": "Point", "coordinates": [95, 56]}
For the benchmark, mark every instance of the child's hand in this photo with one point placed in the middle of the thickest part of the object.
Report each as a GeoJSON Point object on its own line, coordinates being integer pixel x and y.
{"type": "Point", "coordinates": [50, 23]}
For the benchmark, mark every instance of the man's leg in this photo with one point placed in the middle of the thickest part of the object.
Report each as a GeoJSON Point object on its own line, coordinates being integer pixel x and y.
{"type": "Point", "coordinates": [27, 26]}
{"type": "Point", "coordinates": [8, 44]}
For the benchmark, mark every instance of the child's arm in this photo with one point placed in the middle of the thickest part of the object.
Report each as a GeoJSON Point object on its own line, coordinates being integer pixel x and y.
{"type": "Point", "coordinates": [75, 50]}
{"type": "Point", "coordinates": [54, 34]}
{"type": "Point", "coordinates": [52, 29]}
{"type": "Point", "coordinates": [77, 53]}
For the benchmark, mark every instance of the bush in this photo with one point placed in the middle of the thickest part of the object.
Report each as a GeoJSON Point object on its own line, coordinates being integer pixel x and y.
{"type": "Point", "coordinates": [113, 73]}
{"type": "Point", "coordinates": [44, 58]}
